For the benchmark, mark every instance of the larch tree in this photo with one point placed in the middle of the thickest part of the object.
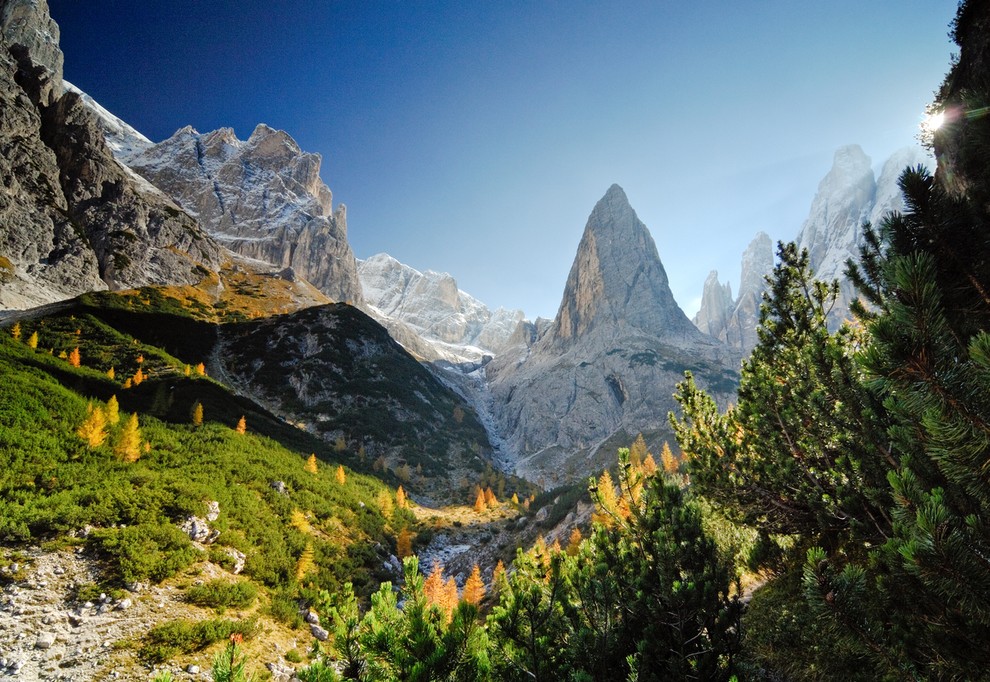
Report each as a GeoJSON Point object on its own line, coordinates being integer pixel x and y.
{"type": "Point", "coordinates": [113, 411]}
{"type": "Point", "coordinates": [479, 503]}
{"type": "Point", "coordinates": [128, 441]}
{"type": "Point", "coordinates": [306, 563]}
{"type": "Point", "coordinates": [403, 543]}
{"type": "Point", "coordinates": [197, 412]}
{"type": "Point", "coordinates": [474, 587]}
{"type": "Point", "coordinates": [32, 341]}
{"type": "Point", "coordinates": [111, 374]}
{"type": "Point", "coordinates": [340, 475]}
{"type": "Point", "coordinates": [75, 359]}
{"type": "Point", "coordinates": [400, 498]}
{"type": "Point", "coordinates": [15, 331]}
{"type": "Point", "coordinates": [241, 427]}
{"type": "Point", "coordinates": [311, 464]}
{"type": "Point", "coordinates": [490, 499]}
{"type": "Point", "coordinates": [94, 429]}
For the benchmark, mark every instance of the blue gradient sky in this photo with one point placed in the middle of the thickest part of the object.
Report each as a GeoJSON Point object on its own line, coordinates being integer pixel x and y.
{"type": "Point", "coordinates": [475, 138]}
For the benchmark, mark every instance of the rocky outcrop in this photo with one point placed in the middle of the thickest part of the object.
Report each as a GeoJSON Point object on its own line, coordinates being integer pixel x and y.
{"type": "Point", "coordinates": [262, 198]}
{"type": "Point", "coordinates": [430, 305]}
{"type": "Point", "coordinates": [605, 368]}
{"type": "Point", "coordinates": [74, 219]}
{"type": "Point", "coordinates": [848, 196]}
{"type": "Point", "coordinates": [734, 322]}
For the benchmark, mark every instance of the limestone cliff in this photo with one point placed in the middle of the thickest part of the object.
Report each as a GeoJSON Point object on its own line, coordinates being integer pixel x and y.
{"type": "Point", "coordinates": [605, 368]}
{"type": "Point", "coordinates": [74, 219]}
{"type": "Point", "coordinates": [262, 198]}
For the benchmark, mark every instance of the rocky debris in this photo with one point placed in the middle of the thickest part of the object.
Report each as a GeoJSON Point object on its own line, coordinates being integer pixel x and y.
{"type": "Point", "coordinates": [212, 511]}
{"type": "Point", "coordinates": [605, 368]}
{"type": "Point", "coordinates": [318, 632]}
{"type": "Point", "coordinates": [239, 558]}
{"type": "Point", "coordinates": [262, 198]}
{"type": "Point", "coordinates": [280, 487]}
{"type": "Point", "coordinates": [280, 672]}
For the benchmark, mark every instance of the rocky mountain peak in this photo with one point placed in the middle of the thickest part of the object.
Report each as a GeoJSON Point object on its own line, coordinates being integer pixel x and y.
{"type": "Point", "coordinates": [28, 25]}
{"type": "Point", "coordinates": [262, 198]}
{"type": "Point", "coordinates": [757, 262]}
{"type": "Point", "coordinates": [616, 278]}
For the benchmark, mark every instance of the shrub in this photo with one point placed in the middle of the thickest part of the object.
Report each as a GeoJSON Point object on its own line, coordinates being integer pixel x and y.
{"type": "Point", "coordinates": [221, 594]}
{"type": "Point", "coordinates": [183, 636]}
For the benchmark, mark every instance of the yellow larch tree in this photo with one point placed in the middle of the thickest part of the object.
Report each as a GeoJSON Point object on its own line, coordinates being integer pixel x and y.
{"type": "Point", "coordinates": [306, 563]}
{"type": "Point", "coordinates": [197, 413]}
{"type": "Point", "coordinates": [128, 383]}
{"type": "Point", "coordinates": [574, 541]}
{"type": "Point", "coordinates": [403, 544]}
{"type": "Point", "coordinates": [74, 358]}
{"type": "Point", "coordinates": [340, 474]}
{"type": "Point", "coordinates": [479, 503]}
{"type": "Point", "coordinates": [433, 588]}
{"type": "Point", "coordinates": [113, 411]}
{"type": "Point", "coordinates": [128, 441]}
{"type": "Point", "coordinates": [515, 499]}
{"type": "Point", "coordinates": [299, 521]}
{"type": "Point", "coordinates": [669, 461]}
{"type": "Point", "coordinates": [32, 341]}
{"type": "Point", "coordinates": [187, 371]}
{"type": "Point", "coordinates": [450, 598]}
{"type": "Point", "coordinates": [311, 465]}
{"type": "Point", "coordinates": [604, 494]}
{"type": "Point", "coordinates": [201, 369]}
{"type": "Point", "coordinates": [241, 427]}
{"type": "Point", "coordinates": [649, 465]}
{"type": "Point", "coordinates": [474, 587]}
{"type": "Point", "coordinates": [490, 499]}
{"type": "Point", "coordinates": [400, 498]}
{"type": "Point", "coordinates": [94, 428]}
{"type": "Point", "coordinates": [138, 377]}
{"type": "Point", "coordinates": [15, 331]}
{"type": "Point", "coordinates": [111, 374]}
{"type": "Point", "coordinates": [637, 451]}
{"type": "Point", "coordinates": [385, 504]}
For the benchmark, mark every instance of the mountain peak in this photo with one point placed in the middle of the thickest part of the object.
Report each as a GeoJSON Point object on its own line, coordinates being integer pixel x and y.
{"type": "Point", "coordinates": [616, 279]}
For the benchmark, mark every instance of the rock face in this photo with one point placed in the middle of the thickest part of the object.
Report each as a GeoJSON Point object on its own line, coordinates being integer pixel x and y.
{"type": "Point", "coordinates": [734, 321]}
{"type": "Point", "coordinates": [429, 304]}
{"type": "Point", "coordinates": [262, 198]}
{"type": "Point", "coordinates": [74, 220]}
{"type": "Point", "coordinates": [605, 368]}
{"type": "Point", "coordinates": [848, 196]}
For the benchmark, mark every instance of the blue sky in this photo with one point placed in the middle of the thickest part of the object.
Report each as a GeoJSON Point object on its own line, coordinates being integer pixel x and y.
{"type": "Point", "coordinates": [475, 137]}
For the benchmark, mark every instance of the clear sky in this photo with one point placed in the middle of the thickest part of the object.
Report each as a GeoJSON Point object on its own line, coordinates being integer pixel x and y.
{"type": "Point", "coordinates": [475, 137]}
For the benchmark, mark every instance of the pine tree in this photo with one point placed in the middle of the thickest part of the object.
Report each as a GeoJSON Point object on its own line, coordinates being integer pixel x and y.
{"type": "Point", "coordinates": [197, 412]}
{"type": "Point", "coordinates": [128, 441]}
{"type": "Point", "coordinates": [241, 427]}
{"type": "Point", "coordinates": [94, 428]}
{"type": "Point", "coordinates": [311, 464]}
{"type": "Point", "coordinates": [474, 587]}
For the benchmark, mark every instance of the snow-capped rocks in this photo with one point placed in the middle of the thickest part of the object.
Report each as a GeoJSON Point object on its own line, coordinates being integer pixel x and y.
{"type": "Point", "coordinates": [431, 305]}
{"type": "Point", "coordinates": [262, 198]}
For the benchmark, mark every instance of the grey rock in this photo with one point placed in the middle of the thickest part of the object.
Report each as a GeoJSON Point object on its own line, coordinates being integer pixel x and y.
{"type": "Point", "coordinates": [312, 618]}
{"type": "Point", "coordinates": [262, 198]}
{"type": "Point", "coordinates": [280, 487]}
{"type": "Point", "coordinates": [45, 640]}
{"type": "Point", "coordinates": [212, 510]}
{"type": "Point", "coordinates": [196, 528]}
{"type": "Point", "coordinates": [319, 632]}
{"type": "Point", "coordinates": [124, 604]}
{"type": "Point", "coordinates": [606, 366]}
{"type": "Point", "coordinates": [192, 669]}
